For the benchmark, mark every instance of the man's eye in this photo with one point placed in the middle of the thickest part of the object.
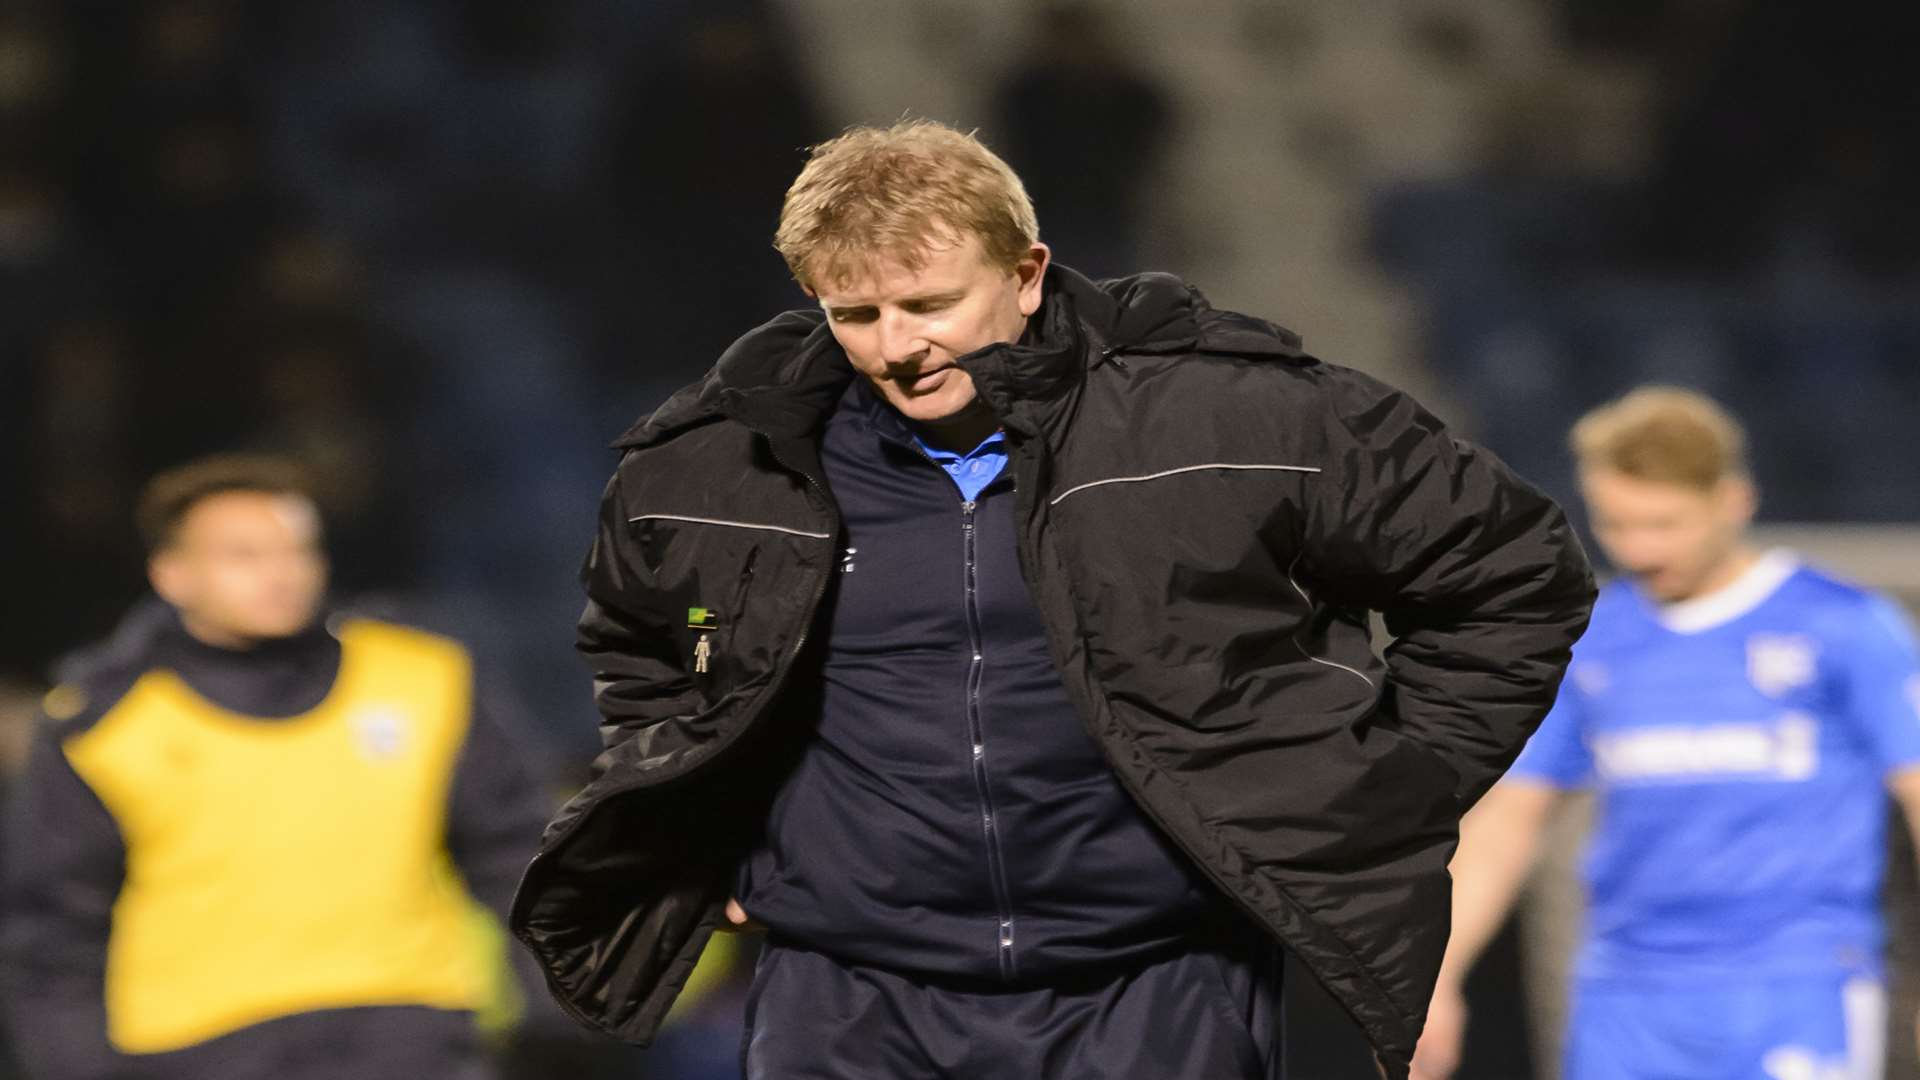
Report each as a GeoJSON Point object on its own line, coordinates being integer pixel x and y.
{"type": "Point", "coordinates": [859, 315]}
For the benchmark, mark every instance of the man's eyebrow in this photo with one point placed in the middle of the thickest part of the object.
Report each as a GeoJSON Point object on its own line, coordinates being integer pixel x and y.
{"type": "Point", "coordinates": [937, 294]}
{"type": "Point", "coordinates": [918, 298]}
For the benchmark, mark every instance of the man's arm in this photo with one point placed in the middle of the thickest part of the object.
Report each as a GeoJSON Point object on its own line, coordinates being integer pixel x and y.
{"type": "Point", "coordinates": [1499, 840]}
{"type": "Point", "coordinates": [638, 677]}
{"type": "Point", "coordinates": [65, 864]}
{"type": "Point", "coordinates": [1482, 583]}
{"type": "Point", "coordinates": [1905, 788]}
{"type": "Point", "coordinates": [495, 812]}
{"type": "Point", "coordinates": [1880, 683]}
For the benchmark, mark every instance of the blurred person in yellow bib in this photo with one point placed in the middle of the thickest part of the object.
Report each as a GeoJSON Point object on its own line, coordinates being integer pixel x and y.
{"type": "Point", "coordinates": [253, 841]}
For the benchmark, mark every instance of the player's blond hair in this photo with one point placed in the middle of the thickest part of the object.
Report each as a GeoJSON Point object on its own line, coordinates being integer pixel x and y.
{"type": "Point", "coordinates": [890, 195]}
{"type": "Point", "coordinates": [1663, 434]}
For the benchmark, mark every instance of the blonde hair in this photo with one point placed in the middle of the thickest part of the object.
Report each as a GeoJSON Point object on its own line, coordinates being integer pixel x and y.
{"type": "Point", "coordinates": [890, 194]}
{"type": "Point", "coordinates": [1663, 434]}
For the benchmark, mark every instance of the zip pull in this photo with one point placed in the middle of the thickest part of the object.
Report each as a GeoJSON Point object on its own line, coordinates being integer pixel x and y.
{"type": "Point", "coordinates": [702, 652]}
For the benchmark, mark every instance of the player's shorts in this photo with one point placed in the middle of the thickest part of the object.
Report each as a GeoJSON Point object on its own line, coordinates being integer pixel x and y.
{"type": "Point", "coordinates": [1811, 1027]}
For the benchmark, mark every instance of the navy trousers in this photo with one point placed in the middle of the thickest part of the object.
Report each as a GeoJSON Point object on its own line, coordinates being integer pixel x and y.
{"type": "Point", "coordinates": [1209, 1014]}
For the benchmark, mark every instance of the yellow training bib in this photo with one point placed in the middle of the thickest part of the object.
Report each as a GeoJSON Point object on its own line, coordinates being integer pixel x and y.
{"type": "Point", "coordinates": [287, 865]}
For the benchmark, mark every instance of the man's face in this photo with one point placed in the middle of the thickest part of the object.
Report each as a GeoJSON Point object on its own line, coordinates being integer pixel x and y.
{"type": "Point", "coordinates": [244, 566]}
{"type": "Point", "coordinates": [1671, 538]}
{"type": "Point", "coordinates": [904, 328]}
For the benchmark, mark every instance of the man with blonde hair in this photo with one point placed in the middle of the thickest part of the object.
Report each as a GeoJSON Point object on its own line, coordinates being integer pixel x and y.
{"type": "Point", "coordinates": [1741, 717]}
{"type": "Point", "coordinates": [997, 640]}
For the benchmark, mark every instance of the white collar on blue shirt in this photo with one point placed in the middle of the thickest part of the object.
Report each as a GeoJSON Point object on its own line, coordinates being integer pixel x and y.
{"type": "Point", "coordinates": [1732, 600]}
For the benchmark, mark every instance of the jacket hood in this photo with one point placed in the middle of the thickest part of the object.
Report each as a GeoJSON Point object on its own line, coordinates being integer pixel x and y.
{"type": "Point", "coordinates": [782, 377]}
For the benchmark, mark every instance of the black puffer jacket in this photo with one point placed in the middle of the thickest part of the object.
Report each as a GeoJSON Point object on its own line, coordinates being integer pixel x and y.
{"type": "Point", "coordinates": [1207, 515]}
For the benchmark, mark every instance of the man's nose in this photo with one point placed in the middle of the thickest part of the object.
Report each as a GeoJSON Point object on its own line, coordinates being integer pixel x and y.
{"type": "Point", "coordinates": [901, 339]}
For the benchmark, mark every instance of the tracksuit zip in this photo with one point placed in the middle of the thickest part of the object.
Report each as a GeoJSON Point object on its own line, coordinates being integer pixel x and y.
{"type": "Point", "coordinates": [976, 735]}
{"type": "Point", "coordinates": [976, 738]}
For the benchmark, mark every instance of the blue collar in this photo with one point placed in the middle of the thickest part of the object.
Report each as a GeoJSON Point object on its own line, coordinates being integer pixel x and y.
{"type": "Point", "coordinates": [973, 470]}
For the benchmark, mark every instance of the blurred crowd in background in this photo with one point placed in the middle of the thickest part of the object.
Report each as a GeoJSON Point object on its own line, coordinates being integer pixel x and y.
{"type": "Point", "coordinates": [444, 251]}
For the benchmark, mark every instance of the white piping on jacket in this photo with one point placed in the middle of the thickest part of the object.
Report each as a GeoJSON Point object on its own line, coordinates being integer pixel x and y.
{"type": "Point", "coordinates": [732, 524]}
{"type": "Point", "coordinates": [1055, 501]}
{"type": "Point", "coordinates": [1296, 638]}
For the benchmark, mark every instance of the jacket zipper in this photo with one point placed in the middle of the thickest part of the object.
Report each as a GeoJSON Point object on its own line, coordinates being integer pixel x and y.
{"type": "Point", "coordinates": [990, 825]}
{"type": "Point", "coordinates": [976, 736]}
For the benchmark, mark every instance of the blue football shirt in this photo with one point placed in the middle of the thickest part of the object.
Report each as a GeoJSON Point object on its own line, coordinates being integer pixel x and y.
{"type": "Point", "coordinates": [1738, 745]}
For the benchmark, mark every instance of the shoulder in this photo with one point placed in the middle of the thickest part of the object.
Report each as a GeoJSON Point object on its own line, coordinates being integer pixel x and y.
{"type": "Point", "coordinates": [775, 355]}
{"type": "Point", "coordinates": [87, 694]}
{"type": "Point", "coordinates": [1274, 359]}
{"type": "Point", "coordinates": [400, 640]}
{"type": "Point", "coordinates": [1224, 368]}
{"type": "Point", "coordinates": [1842, 609]}
{"type": "Point", "coordinates": [1816, 586]}
{"type": "Point", "coordinates": [1619, 615]}
{"type": "Point", "coordinates": [1159, 320]}
{"type": "Point", "coordinates": [1616, 602]}
{"type": "Point", "coordinates": [91, 681]}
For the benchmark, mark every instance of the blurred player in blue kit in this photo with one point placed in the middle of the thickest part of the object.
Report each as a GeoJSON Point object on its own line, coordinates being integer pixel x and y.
{"type": "Point", "coordinates": [1741, 717]}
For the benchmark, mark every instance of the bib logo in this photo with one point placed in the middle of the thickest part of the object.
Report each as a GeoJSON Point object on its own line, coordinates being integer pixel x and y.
{"type": "Point", "coordinates": [382, 732]}
{"type": "Point", "coordinates": [1777, 663]}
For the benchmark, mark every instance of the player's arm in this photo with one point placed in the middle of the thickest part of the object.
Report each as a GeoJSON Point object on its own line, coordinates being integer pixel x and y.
{"type": "Point", "coordinates": [1880, 676]}
{"type": "Point", "coordinates": [495, 811]}
{"type": "Point", "coordinates": [64, 867]}
{"type": "Point", "coordinates": [1880, 683]}
{"type": "Point", "coordinates": [1904, 785]}
{"type": "Point", "coordinates": [1499, 842]}
{"type": "Point", "coordinates": [1481, 581]}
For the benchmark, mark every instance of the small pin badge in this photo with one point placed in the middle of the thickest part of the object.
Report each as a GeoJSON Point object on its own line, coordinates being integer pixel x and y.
{"type": "Point", "coordinates": [705, 620]}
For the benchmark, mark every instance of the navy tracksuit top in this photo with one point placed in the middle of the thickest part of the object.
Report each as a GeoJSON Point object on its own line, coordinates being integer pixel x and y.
{"type": "Point", "coordinates": [951, 815]}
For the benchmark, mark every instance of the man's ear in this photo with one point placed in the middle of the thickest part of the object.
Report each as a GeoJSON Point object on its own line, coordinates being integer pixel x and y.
{"type": "Point", "coordinates": [1031, 272]}
{"type": "Point", "coordinates": [1739, 499]}
{"type": "Point", "coordinates": [167, 576]}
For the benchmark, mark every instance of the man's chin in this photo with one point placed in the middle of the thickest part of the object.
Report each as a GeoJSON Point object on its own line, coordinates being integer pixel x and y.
{"type": "Point", "coordinates": [1667, 592]}
{"type": "Point", "coordinates": [933, 408]}
{"type": "Point", "coordinates": [276, 628]}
